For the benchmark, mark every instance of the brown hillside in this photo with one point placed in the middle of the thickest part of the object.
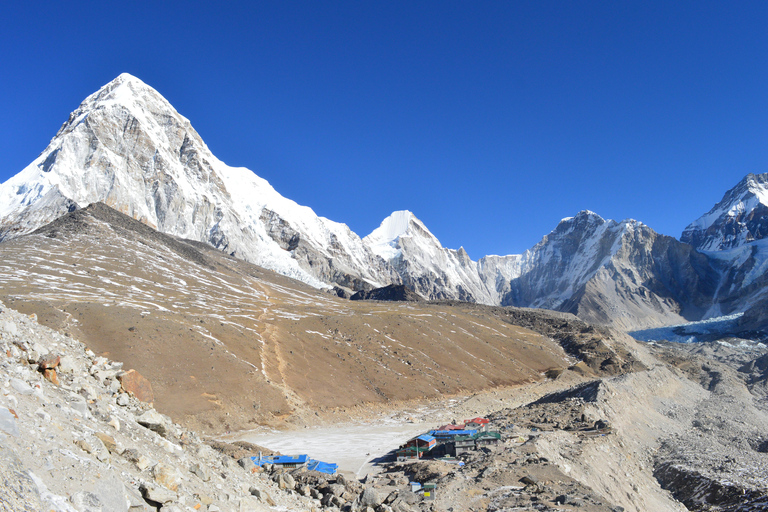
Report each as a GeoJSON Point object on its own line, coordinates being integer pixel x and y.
{"type": "Point", "coordinates": [228, 345]}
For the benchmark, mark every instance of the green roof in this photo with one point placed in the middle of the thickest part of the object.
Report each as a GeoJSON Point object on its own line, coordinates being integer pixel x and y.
{"type": "Point", "coordinates": [481, 435]}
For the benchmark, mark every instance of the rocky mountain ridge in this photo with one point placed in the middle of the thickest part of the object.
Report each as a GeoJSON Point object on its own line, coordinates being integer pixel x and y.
{"type": "Point", "coordinates": [128, 147]}
{"type": "Point", "coordinates": [740, 217]}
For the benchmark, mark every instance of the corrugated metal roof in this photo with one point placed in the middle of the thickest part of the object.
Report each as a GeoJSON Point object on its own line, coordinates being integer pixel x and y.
{"type": "Point", "coordinates": [451, 433]}
{"type": "Point", "coordinates": [282, 459]}
{"type": "Point", "coordinates": [494, 435]}
{"type": "Point", "coordinates": [426, 437]}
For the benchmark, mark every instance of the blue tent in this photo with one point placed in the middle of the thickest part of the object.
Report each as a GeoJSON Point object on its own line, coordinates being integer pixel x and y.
{"type": "Point", "coordinates": [322, 467]}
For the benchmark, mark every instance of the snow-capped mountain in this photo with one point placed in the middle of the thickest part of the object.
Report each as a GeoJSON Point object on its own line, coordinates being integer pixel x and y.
{"type": "Point", "coordinates": [424, 265]}
{"type": "Point", "coordinates": [619, 273]}
{"type": "Point", "coordinates": [740, 217]}
{"type": "Point", "coordinates": [127, 146]}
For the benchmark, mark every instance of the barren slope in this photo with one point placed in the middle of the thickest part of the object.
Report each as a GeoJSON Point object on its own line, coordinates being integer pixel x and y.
{"type": "Point", "coordinates": [228, 345]}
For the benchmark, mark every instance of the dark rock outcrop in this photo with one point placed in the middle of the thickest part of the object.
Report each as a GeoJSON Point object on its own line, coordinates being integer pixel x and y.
{"type": "Point", "coordinates": [393, 292]}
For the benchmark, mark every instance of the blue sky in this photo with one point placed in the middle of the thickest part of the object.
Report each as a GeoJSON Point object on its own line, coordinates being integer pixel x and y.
{"type": "Point", "coordinates": [491, 121]}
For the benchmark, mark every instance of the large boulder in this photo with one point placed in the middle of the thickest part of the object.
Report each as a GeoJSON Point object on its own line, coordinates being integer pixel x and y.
{"type": "Point", "coordinates": [133, 383]}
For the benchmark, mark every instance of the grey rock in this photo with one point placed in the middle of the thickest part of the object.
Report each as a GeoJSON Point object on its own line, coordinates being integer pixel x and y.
{"type": "Point", "coordinates": [157, 494]}
{"type": "Point", "coordinates": [78, 403]}
{"type": "Point", "coordinates": [86, 502]}
{"type": "Point", "coordinates": [69, 364]}
{"type": "Point", "coordinates": [136, 502]}
{"type": "Point", "coordinates": [154, 421]}
{"type": "Point", "coordinates": [172, 507]}
{"type": "Point", "coordinates": [18, 491]}
{"type": "Point", "coordinates": [337, 489]}
{"type": "Point", "coordinates": [371, 498]}
{"type": "Point", "coordinates": [8, 422]}
{"type": "Point", "coordinates": [21, 387]}
{"type": "Point", "coordinates": [106, 487]}
{"type": "Point", "coordinates": [246, 463]}
{"type": "Point", "coordinates": [288, 482]}
{"type": "Point", "coordinates": [123, 399]}
{"type": "Point", "coordinates": [10, 328]}
{"type": "Point", "coordinates": [201, 471]}
{"type": "Point", "coordinates": [247, 504]}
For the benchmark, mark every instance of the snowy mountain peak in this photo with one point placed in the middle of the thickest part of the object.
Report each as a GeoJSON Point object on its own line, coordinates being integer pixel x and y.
{"type": "Point", "coordinates": [385, 239]}
{"type": "Point", "coordinates": [126, 146]}
{"type": "Point", "coordinates": [583, 222]}
{"type": "Point", "coordinates": [583, 215]}
{"type": "Point", "coordinates": [394, 226]}
{"type": "Point", "coordinates": [740, 217]}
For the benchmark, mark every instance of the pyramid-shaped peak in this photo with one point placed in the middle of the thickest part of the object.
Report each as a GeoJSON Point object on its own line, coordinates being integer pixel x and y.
{"type": "Point", "coordinates": [128, 94]}
{"type": "Point", "coordinates": [127, 77]}
{"type": "Point", "coordinates": [399, 223]}
{"type": "Point", "coordinates": [127, 91]}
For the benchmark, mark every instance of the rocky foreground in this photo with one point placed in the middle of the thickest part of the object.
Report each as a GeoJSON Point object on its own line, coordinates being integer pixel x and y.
{"type": "Point", "coordinates": [83, 445]}
{"type": "Point", "coordinates": [686, 431]}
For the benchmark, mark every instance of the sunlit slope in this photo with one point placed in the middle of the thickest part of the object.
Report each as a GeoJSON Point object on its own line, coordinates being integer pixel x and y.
{"type": "Point", "coordinates": [229, 345]}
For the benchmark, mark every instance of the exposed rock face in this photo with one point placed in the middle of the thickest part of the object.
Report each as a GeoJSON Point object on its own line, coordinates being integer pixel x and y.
{"type": "Point", "coordinates": [740, 217]}
{"type": "Point", "coordinates": [424, 265]}
{"type": "Point", "coordinates": [393, 292]}
{"type": "Point", "coordinates": [128, 147]}
{"type": "Point", "coordinates": [618, 273]}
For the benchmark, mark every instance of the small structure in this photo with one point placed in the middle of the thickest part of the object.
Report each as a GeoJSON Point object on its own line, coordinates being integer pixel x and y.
{"type": "Point", "coordinates": [416, 447]}
{"type": "Point", "coordinates": [487, 439]}
{"type": "Point", "coordinates": [463, 444]}
{"type": "Point", "coordinates": [451, 426]}
{"type": "Point", "coordinates": [286, 461]}
{"type": "Point", "coordinates": [480, 424]}
{"type": "Point", "coordinates": [449, 435]}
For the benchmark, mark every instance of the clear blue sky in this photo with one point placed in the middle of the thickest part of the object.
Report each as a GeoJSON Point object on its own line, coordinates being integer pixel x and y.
{"type": "Point", "coordinates": [489, 120]}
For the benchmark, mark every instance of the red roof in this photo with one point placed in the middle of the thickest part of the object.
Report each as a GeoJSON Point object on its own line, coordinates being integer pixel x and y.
{"type": "Point", "coordinates": [451, 427]}
{"type": "Point", "coordinates": [479, 421]}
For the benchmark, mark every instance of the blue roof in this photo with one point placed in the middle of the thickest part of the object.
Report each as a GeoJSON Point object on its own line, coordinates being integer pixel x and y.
{"type": "Point", "coordinates": [426, 437]}
{"type": "Point", "coordinates": [282, 459]}
{"type": "Point", "coordinates": [323, 467]}
{"type": "Point", "coordinates": [312, 464]}
{"type": "Point", "coordinates": [452, 433]}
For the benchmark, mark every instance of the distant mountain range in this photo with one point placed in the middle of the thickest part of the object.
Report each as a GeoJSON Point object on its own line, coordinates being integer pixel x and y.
{"type": "Point", "coordinates": [126, 146]}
